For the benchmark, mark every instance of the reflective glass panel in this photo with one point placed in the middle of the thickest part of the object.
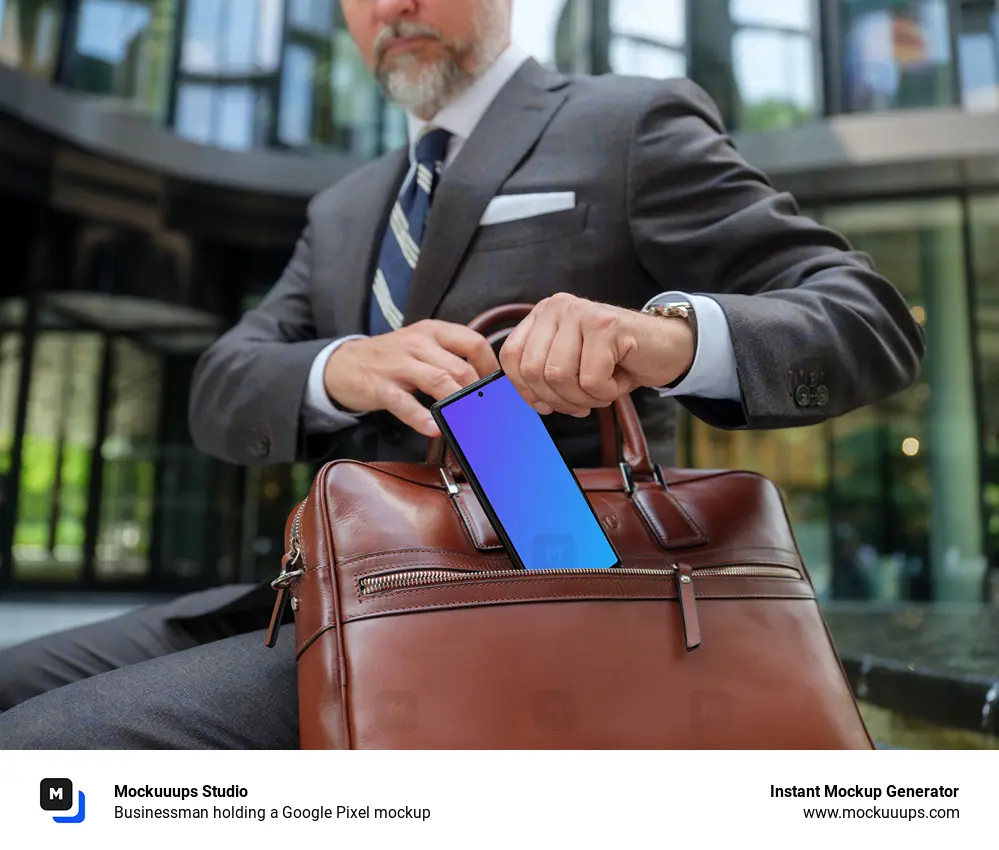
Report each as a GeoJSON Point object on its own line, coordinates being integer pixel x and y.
{"type": "Point", "coordinates": [647, 38]}
{"type": "Point", "coordinates": [776, 14]}
{"type": "Point", "coordinates": [535, 27]}
{"type": "Point", "coordinates": [661, 21]}
{"type": "Point", "coordinates": [10, 376]}
{"type": "Point", "coordinates": [124, 48]}
{"type": "Point", "coordinates": [29, 35]}
{"type": "Point", "coordinates": [129, 456]}
{"type": "Point", "coordinates": [896, 54]}
{"type": "Point", "coordinates": [978, 55]}
{"type": "Point", "coordinates": [774, 63]}
{"type": "Point", "coordinates": [56, 456]}
{"type": "Point", "coordinates": [906, 473]}
{"type": "Point", "coordinates": [231, 37]}
{"type": "Point", "coordinates": [984, 225]}
{"type": "Point", "coordinates": [229, 116]}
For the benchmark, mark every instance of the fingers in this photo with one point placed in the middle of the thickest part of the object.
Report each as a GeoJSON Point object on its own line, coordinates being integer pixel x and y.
{"type": "Point", "coordinates": [431, 380]}
{"type": "Point", "coordinates": [464, 342]}
{"type": "Point", "coordinates": [511, 352]}
{"type": "Point", "coordinates": [404, 406]}
{"type": "Point", "coordinates": [534, 360]}
{"type": "Point", "coordinates": [435, 358]}
{"type": "Point", "coordinates": [462, 372]}
{"type": "Point", "coordinates": [599, 378]}
{"type": "Point", "coordinates": [563, 356]}
{"type": "Point", "coordinates": [563, 370]}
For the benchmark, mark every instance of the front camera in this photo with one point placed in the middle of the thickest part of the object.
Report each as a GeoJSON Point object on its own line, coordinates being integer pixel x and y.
{"type": "Point", "coordinates": [480, 393]}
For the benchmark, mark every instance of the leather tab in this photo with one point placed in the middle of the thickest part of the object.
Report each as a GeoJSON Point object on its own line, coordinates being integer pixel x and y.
{"type": "Point", "coordinates": [671, 525]}
{"type": "Point", "coordinates": [277, 615]}
{"type": "Point", "coordinates": [688, 606]}
{"type": "Point", "coordinates": [476, 523]}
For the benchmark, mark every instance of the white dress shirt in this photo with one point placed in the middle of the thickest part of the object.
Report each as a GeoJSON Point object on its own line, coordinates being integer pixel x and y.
{"type": "Point", "coordinates": [713, 373]}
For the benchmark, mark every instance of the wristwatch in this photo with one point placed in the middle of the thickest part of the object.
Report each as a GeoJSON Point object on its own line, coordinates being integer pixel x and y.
{"type": "Point", "coordinates": [676, 310]}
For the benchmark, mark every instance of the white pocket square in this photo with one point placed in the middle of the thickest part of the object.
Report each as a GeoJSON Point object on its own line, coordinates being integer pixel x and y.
{"type": "Point", "coordinates": [514, 207]}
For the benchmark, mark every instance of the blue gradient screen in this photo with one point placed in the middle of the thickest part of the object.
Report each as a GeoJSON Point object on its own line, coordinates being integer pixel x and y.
{"type": "Point", "coordinates": [525, 480]}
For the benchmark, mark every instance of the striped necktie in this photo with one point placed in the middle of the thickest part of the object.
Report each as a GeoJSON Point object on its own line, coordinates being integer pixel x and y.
{"type": "Point", "coordinates": [401, 243]}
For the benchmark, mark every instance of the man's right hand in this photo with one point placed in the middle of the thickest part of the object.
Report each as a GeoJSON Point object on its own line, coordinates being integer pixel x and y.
{"type": "Point", "coordinates": [383, 372]}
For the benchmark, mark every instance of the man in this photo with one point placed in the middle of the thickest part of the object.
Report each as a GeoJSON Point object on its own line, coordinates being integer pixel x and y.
{"type": "Point", "coordinates": [592, 198]}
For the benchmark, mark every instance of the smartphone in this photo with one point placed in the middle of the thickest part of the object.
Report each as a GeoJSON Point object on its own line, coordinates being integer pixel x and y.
{"type": "Point", "coordinates": [528, 491]}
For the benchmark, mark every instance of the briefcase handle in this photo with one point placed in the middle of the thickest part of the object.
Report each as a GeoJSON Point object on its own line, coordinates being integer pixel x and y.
{"type": "Point", "coordinates": [632, 448]}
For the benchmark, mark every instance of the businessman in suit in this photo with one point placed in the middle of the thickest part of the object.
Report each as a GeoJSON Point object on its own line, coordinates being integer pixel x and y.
{"type": "Point", "coordinates": [661, 265]}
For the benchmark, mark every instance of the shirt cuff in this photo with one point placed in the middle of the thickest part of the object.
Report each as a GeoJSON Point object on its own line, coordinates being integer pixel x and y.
{"type": "Point", "coordinates": [319, 413]}
{"type": "Point", "coordinates": [713, 373]}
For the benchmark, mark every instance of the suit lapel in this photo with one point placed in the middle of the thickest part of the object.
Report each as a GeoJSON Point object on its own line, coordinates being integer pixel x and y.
{"type": "Point", "coordinates": [510, 128]}
{"type": "Point", "coordinates": [367, 223]}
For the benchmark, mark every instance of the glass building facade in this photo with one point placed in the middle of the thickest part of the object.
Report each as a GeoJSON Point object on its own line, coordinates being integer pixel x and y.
{"type": "Point", "coordinates": [123, 263]}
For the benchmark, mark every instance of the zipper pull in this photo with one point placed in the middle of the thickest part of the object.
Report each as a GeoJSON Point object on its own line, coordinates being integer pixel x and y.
{"type": "Point", "coordinates": [688, 606]}
{"type": "Point", "coordinates": [277, 615]}
{"type": "Point", "coordinates": [280, 584]}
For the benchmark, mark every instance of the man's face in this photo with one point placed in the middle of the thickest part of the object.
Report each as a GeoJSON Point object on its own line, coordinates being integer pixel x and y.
{"type": "Point", "coordinates": [425, 52]}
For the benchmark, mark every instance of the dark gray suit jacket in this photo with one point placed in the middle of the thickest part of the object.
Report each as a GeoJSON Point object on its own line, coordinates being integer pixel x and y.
{"type": "Point", "coordinates": [664, 202]}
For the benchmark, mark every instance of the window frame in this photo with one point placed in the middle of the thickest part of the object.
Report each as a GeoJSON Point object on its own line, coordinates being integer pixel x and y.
{"type": "Point", "coordinates": [813, 35]}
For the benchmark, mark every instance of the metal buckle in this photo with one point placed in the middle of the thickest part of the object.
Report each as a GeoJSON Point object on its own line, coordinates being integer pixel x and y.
{"type": "Point", "coordinates": [629, 481]}
{"type": "Point", "coordinates": [285, 578]}
{"type": "Point", "coordinates": [452, 488]}
{"type": "Point", "coordinates": [660, 476]}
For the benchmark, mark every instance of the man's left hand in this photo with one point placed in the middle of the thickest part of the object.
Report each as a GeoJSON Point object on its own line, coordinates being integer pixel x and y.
{"type": "Point", "coordinates": [571, 355]}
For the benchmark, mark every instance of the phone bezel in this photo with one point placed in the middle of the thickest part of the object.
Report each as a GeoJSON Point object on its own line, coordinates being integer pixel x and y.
{"type": "Point", "coordinates": [473, 482]}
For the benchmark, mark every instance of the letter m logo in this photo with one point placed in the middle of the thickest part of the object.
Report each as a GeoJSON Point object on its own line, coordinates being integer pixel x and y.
{"type": "Point", "coordinates": [56, 795]}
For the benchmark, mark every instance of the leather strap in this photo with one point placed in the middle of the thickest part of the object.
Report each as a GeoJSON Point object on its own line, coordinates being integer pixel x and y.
{"type": "Point", "coordinates": [632, 447]}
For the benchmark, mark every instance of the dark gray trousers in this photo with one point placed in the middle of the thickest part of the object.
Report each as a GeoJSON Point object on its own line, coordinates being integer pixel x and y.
{"type": "Point", "coordinates": [192, 673]}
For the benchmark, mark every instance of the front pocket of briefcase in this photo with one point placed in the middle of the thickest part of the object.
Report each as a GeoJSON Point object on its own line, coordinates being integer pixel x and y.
{"type": "Point", "coordinates": [584, 659]}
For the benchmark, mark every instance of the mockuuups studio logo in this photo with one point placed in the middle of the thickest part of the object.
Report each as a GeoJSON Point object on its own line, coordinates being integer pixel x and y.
{"type": "Point", "coordinates": [56, 795]}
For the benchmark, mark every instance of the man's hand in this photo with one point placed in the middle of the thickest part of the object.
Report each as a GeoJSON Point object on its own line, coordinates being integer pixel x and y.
{"type": "Point", "coordinates": [382, 372]}
{"type": "Point", "coordinates": [571, 355]}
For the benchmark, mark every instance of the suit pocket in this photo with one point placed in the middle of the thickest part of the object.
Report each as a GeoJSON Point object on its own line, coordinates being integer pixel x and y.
{"type": "Point", "coordinates": [528, 231]}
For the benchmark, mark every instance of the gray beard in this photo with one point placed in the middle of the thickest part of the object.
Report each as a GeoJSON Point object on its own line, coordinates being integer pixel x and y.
{"type": "Point", "coordinates": [426, 90]}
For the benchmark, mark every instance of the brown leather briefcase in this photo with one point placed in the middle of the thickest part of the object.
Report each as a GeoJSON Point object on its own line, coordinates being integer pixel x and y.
{"type": "Point", "coordinates": [413, 630]}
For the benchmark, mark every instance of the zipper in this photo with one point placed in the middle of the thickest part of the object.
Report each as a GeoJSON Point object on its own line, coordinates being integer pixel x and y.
{"type": "Point", "coordinates": [429, 578]}
{"type": "Point", "coordinates": [683, 574]}
{"type": "Point", "coordinates": [292, 567]}
{"type": "Point", "coordinates": [295, 549]}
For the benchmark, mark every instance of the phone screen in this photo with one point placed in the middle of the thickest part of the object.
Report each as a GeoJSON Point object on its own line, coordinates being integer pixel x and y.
{"type": "Point", "coordinates": [523, 480]}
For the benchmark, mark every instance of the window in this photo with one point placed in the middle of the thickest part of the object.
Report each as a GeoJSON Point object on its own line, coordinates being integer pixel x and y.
{"type": "Point", "coordinates": [228, 116]}
{"type": "Point", "coordinates": [295, 121]}
{"type": "Point", "coordinates": [647, 38]}
{"type": "Point", "coordinates": [907, 499]}
{"type": "Point", "coordinates": [978, 55]}
{"type": "Point", "coordinates": [57, 449]}
{"type": "Point", "coordinates": [231, 37]}
{"type": "Point", "coordinates": [29, 35]}
{"type": "Point", "coordinates": [773, 60]}
{"type": "Point", "coordinates": [896, 54]}
{"type": "Point", "coordinates": [758, 60]}
{"type": "Point", "coordinates": [311, 15]}
{"type": "Point", "coordinates": [984, 228]}
{"type": "Point", "coordinates": [328, 96]}
{"type": "Point", "coordinates": [229, 72]}
{"type": "Point", "coordinates": [129, 454]}
{"type": "Point", "coordinates": [535, 27]}
{"type": "Point", "coordinates": [122, 48]}
{"type": "Point", "coordinates": [10, 374]}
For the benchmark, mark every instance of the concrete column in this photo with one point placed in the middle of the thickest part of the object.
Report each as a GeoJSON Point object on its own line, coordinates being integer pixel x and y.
{"type": "Point", "coordinates": [951, 428]}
